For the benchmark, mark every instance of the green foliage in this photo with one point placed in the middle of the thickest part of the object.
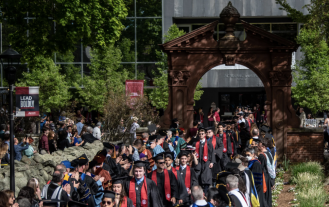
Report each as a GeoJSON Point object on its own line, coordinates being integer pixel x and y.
{"type": "Point", "coordinates": [54, 90]}
{"type": "Point", "coordinates": [59, 25]}
{"type": "Point", "coordinates": [311, 74]}
{"type": "Point", "coordinates": [285, 163]}
{"type": "Point", "coordinates": [106, 74]}
{"type": "Point", "coordinates": [72, 73]}
{"type": "Point", "coordinates": [159, 96]}
{"type": "Point", "coordinates": [313, 168]}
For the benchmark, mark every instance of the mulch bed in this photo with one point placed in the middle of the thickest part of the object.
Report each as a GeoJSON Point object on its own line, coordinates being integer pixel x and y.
{"type": "Point", "coordinates": [286, 197]}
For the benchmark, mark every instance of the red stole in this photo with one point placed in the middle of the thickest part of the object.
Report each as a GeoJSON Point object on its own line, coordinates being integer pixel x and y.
{"type": "Point", "coordinates": [166, 182]}
{"type": "Point", "coordinates": [174, 171]}
{"type": "Point", "coordinates": [161, 145]}
{"type": "Point", "coordinates": [224, 142]}
{"type": "Point", "coordinates": [187, 177]}
{"type": "Point", "coordinates": [124, 203]}
{"type": "Point", "coordinates": [249, 123]}
{"type": "Point", "coordinates": [239, 128]}
{"type": "Point", "coordinates": [205, 150]}
{"type": "Point", "coordinates": [213, 142]}
{"type": "Point", "coordinates": [132, 192]}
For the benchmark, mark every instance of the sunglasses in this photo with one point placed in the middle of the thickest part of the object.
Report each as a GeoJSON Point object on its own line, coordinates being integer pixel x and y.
{"type": "Point", "coordinates": [201, 133]}
{"type": "Point", "coordinates": [106, 202]}
{"type": "Point", "coordinates": [160, 163]}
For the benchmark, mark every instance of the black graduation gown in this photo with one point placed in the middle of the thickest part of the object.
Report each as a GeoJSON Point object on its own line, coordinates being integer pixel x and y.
{"type": "Point", "coordinates": [236, 201]}
{"type": "Point", "coordinates": [226, 156]}
{"type": "Point", "coordinates": [93, 187]}
{"type": "Point", "coordinates": [114, 168]}
{"type": "Point", "coordinates": [182, 192]}
{"type": "Point", "coordinates": [218, 151]}
{"type": "Point", "coordinates": [161, 186]}
{"type": "Point", "coordinates": [165, 147]}
{"type": "Point", "coordinates": [244, 137]}
{"type": "Point", "coordinates": [268, 193]}
{"type": "Point", "coordinates": [205, 176]}
{"type": "Point", "coordinates": [129, 203]}
{"type": "Point", "coordinates": [257, 168]}
{"type": "Point", "coordinates": [153, 196]}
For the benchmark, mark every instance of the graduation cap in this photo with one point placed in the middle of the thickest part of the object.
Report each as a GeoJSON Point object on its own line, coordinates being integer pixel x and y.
{"type": "Point", "coordinates": [210, 128]}
{"type": "Point", "coordinates": [152, 138]}
{"type": "Point", "coordinates": [171, 155]}
{"type": "Point", "coordinates": [222, 193]}
{"type": "Point", "coordinates": [108, 145]}
{"type": "Point", "coordinates": [99, 159]}
{"type": "Point", "coordinates": [152, 127]}
{"type": "Point", "coordinates": [82, 160]}
{"type": "Point", "coordinates": [92, 164]}
{"type": "Point", "coordinates": [232, 165]}
{"type": "Point", "coordinates": [125, 157]}
{"type": "Point", "coordinates": [119, 180]}
{"type": "Point", "coordinates": [163, 133]}
{"type": "Point", "coordinates": [183, 153]}
{"type": "Point", "coordinates": [108, 194]}
{"type": "Point", "coordinates": [174, 120]}
{"type": "Point", "coordinates": [159, 156]}
{"type": "Point", "coordinates": [265, 128]}
{"type": "Point", "coordinates": [53, 202]}
{"type": "Point", "coordinates": [174, 125]}
{"type": "Point", "coordinates": [102, 152]}
{"type": "Point", "coordinates": [75, 163]}
{"type": "Point", "coordinates": [268, 136]}
{"type": "Point", "coordinates": [73, 203]}
{"type": "Point", "coordinates": [140, 163]}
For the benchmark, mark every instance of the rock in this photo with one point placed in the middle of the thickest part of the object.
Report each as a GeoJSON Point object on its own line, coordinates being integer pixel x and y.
{"type": "Point", "coordinates": [26, 160]}
{"type": "Point", "coordinates": [50, 163]}
{"type": "Point", "coordinates": [20, 181]}
{"type": "Point", "coordinates": [5, 183]}
{"type": "Point", "coordinates": [38, 158]}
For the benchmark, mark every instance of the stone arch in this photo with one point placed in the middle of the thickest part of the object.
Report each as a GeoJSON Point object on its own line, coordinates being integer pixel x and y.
{"type": "Point", "coordinates": [267, 55]}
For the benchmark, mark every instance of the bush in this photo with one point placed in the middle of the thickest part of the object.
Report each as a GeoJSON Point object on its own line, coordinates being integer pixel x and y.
{"type": "Point", "coordinates": [305, 180]}
{"type": "Point", "coordinates": [313, 168]}
{"type": "Point", "coordinates": [313, 195]}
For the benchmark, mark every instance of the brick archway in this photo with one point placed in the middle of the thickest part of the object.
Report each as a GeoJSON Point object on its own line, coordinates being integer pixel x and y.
{"type": "Point", "coordinates": [267, 55]}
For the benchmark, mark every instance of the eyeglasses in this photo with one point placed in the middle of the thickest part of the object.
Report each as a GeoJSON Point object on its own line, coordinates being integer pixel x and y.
{"type": "Point", "coordinates": [106, 202]}
{"type": "Point", "coordinates": [201, 133]}
{"type": "Point", "coordinates": [160, 163]}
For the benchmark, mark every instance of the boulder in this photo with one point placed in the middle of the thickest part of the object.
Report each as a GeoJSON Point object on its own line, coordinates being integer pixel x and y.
{"type": "Point", "coordinates": [38, 158]}
{"type": "Point", "coordinates": [26, 160]}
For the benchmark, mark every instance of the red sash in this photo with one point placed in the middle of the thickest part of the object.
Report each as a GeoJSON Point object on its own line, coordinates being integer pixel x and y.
{"type": "Point", "coordinates": [161, 145]}
{"type": "Point", "coordinates": [205, 150]}
{"type": "Point", "coordinates": [132, 192]}
{"type": "Point", "coordinates": [166, 182]}
{"type": "Point", "coordinates": [124, 203]}
{"type": "Point", "coordinates": [239, 128]}
{"type": "Point", "coordinates": [213, 142]}
{"type": "Point", "coordinates": [249, 123]}
{"type": "Point", "coordinates": [174, 171]}
{"type": "Point", "coordinates": [187, 177]}
{"type": "Point", "coordinates": [224, 142]}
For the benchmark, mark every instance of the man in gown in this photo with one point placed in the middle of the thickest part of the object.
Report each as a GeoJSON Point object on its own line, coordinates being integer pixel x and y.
{"type": "Point", "coordinates": [218, 150]}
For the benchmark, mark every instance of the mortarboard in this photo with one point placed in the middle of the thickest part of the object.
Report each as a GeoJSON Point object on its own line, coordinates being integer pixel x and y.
{"type": "Point", "coordinates": [140, 163]}
{"type": "Point", "coordinates": [265, 128]}
{"type": "Point", "coordinates": [152, 138]}
{"type": "Point", "coordinates": [53, 202]}
{"type": "Point", "coordinates": [82, 160]}
{"type": "Point", "coordinates": [108, 194]}
{"type": "Point", "coordinates": [73, 203]}
{"type": "Point", "coordinates": [92, 164]}
{"type": "Point", "coordinates": [268, 136]}
{"type": "Point", "coordinates": [75, 163]}
{"type": "Point", "coordinates": [102, 152]}
{"type": "Point", "coordinates": [174, 120]}
{"type": "Point", "coordinates": [231, 165]}
{"type": "Point", "coordinates": [222, 192]}
{"type": "Point", "coordinates": [163, 133]}
{"type": "Point", "coordinates": [108, 145]}
{"type": "Point", "coordinates": [210, 128]}
{"type": "Point", "coordinates": [152, 127]}
{"type": "Point", "coordinates": [118, 180]}
{"type": "Point", "coordinates": [67, 164]}
{"type": "Point", "coordinates": [159, 156]}
{"type": "Point", "coordinates": [174, 125]}
{"type": "Point", "coordinates": [99, 159]}
{"type": "Point", "coordinates": [183, 153]}
{"type": "Point", "coordinates": [171, 155]}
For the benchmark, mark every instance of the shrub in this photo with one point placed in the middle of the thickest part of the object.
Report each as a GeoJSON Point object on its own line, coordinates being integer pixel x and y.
{"type": "Point", "coordinates": [305, 180]}
{"type": "Point", "coordinates": [313, 195]}
{"type": "Point", "coordinates": [313, 168]}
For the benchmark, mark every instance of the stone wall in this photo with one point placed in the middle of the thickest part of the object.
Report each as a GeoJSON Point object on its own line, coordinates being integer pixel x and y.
{"type": "Point", "coordinates": [305, 144]}
{"type": "Point", "coordinates": [42, 166]}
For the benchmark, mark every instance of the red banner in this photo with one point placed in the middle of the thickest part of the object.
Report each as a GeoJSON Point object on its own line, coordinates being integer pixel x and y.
{"type": "Point", "coordinates": [134, 88]}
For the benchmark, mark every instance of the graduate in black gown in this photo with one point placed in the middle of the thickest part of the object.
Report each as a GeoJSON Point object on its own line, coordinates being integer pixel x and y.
{"type": "Point", "coordinates": [121, 199]}
{"type": "Point", "coordinates": [218, 150]}
{"type": "Point", "coordinates": [206, 158]}
{"type": "Point", "coordinates": [165, 181]}
{"type": "Point", "coordinates": [226, 139]}
{"type": "Point", "coordinates": [109, 163]}
{"type": "Point", "coordinates": [142, 191]}
{"type": "Point", "coordinates": [182, 192]}
{"type": "Point", "coordinates": [257, 171]}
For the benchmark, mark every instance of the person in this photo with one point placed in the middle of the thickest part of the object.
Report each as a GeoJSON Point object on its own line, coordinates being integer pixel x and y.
{"type": "Point", "coordinates": [193, 131]}
{"type": "Point", "coordinates": [97, 131]}
{"type": "Point", "coordinates": [79, 125]}
{"type": "Point", "coordinates": [257, 114]}
{"type": "Point", "coordinates": [133, 128]}
{"type": "Point", "coordinates": [54, 189]}
{"type": "Point", "coordinates": [182, 191]}
{"type": "Point", "coordinates": [121, 199]}
{"type": "Point", "coordinates": [255, 138]}
{"type": "Point", "coordinates": [28, 192]}
{"type": "Point", "coordinates": [218, 150]}
{"type": "Point", "coordinates": [11, 197]}
{"type": "Point", "coordinates": [34, 183]}
{"type": "Point", "coordinates": [99, 159]}
{"type": "Point", "coordinates": [232, 183]}
{"type": "Point", "coordinates": [62, 140]}
{"type": "Point", "coordinates": [197, 195]}
{"type": "Point", "coordinates": [4, 200]}
{"type": "Point", "coordinates": [216, 119]}
{"type": "Point", "coordinates": [30, 151]}
{"type": "Point", "coordinates": [23, 202]}
{"type": "Point", "coordinates": [302, 117]}
{"type": "Point", "coordinates": [210, 117]}
{"type": "Point", "coordinates": [88, 136]}
{"type": "Point", "coordinates": [228, 151]}
{"type": "Point", "coordinates": [211, 196]}
{"type": "Point", "coordinates": [2, 131]}
{"type": "Point", "coordinates": [153, 142]}
{"type": "Point", "coordinates": [109, 163]}
{"type": "Point", "coordinates": [108, 199]}
{"type": "Point", "coordinates": [177, 142]}
{"type": "Point", "coordinates": [52, 142]}
{"type": "Point", "coordinates": [165, 180]}
{"type": "Point", "coordinates": [206, 159]}
{"type": "Point", "coordinates": [174, 123]}
{"type": "Point", "coordinates": [19, 148]}
{"type": "Point", "coordinates": [244, 135]}
{"type": "Point", "coordinates": [75, 137]}
{"type": "Point", "coordinates": [198, 117]}
{"type": "Point", "coordinates": [43, 142]}
{"type": "Point", "coordinates": [142, 191]}
{"type": "Point", "coordinates": [255, 167]}
{"type": "Point", "coordinates": [4, 155]}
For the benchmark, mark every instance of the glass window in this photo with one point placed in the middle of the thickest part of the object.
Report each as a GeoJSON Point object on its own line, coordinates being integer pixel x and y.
{"type": "Point", "coordinates": [127, 41]}
{"type": "Point", "coordinates": [186, 29]}
{"type": "Point", "coordinates": [147, 72]}
{"type": "Point", "coordinates": [196, 26]}
{"type": "Point", "coordinates": [149, 35]}
{"type": "Point", "coordinates": [266, 27]}
{"type": "Point", "coordinates": [287, 31]}
{"type": "Point", "coordinates": [86, 70]}
{"type": "Point", "coordinates": [149, 8]}
{"type": "Point", "coordinates": [130, 5]}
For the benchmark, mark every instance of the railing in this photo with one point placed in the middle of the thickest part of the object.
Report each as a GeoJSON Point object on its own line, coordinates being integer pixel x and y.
{"type": "Point", "coordinates": [310, 123]}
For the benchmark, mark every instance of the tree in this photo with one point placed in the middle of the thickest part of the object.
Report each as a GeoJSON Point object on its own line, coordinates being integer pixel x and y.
{"type": "Point", "coordinates": [106, 74]}
{"type": "Point", "coordinates": [159, 95]}
{"type": "Point", "coordinates": [311, 73]}
{"type": "Point", "coordinates": [54, 90]}
{"type": "Point", "coordinates": [59, 25]}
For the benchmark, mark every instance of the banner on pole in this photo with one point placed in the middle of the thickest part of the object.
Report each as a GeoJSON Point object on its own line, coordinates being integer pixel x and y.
{"type": "Point", "coordinates": [27, 101]}
{"type": "Point", "coordinates": [134, 88]}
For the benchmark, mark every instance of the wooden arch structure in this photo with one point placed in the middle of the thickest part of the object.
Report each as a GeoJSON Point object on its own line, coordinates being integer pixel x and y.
{"type": "Point", "coordinates": [268, 55]}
